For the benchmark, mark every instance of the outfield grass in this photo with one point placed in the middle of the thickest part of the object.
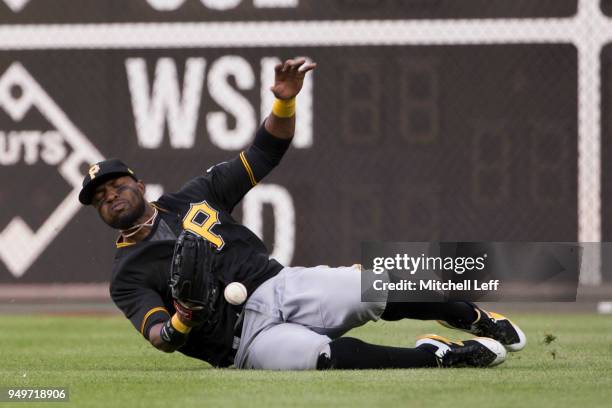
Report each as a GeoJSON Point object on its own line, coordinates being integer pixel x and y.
{"type": "Point", "coordinates": [106, 363]}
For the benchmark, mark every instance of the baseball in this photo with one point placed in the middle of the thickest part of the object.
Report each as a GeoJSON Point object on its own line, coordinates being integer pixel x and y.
{"type": "Point", "coordinates": [235, 293]}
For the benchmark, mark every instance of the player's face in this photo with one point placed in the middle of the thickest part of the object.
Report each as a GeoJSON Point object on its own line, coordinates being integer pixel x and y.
{"type": "Point", "coordinates": [120, 202]}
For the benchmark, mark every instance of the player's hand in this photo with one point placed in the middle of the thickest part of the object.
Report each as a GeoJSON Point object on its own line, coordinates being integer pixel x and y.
{"type": "Point", "coordinates": [289, 77]}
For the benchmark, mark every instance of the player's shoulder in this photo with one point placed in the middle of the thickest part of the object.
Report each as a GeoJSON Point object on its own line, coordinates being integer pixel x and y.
{"type": "Point", "coordinates": [195, 188]}
{"type": "Point", "coordinates": [168, 202]}
{"type": "Point", "coordinates": [123, 265]}
{"type": "Point", "coordinates": [215, 168]}
{"type": "Point", "coordinates": [195, 191]}
{"type": "Point", "coordinates": [140, 261]}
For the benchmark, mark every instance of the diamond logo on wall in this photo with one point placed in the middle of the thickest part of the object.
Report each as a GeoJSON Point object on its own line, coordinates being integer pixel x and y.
{"type": "Point", "coordinates": [21, 244]}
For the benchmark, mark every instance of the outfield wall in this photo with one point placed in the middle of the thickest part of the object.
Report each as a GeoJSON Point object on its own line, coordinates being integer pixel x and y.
{"type": "Point", "coordinates": [424, 121]}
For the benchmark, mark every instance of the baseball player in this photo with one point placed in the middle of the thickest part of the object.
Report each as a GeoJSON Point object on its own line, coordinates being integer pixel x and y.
{"type": "Point", "coordinates": [175, 256]}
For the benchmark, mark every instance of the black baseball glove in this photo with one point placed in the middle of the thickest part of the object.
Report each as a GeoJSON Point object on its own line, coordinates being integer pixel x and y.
{"type": "Point", "coordinates": [193, 284]}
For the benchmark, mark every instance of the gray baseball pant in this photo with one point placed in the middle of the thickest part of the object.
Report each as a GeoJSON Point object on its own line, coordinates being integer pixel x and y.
{"type": "Point", "coordinates": [291, 318]}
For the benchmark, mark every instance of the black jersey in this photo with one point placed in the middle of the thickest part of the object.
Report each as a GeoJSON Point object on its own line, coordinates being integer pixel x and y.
{"type": "Point", "coordinates": [141, 271]}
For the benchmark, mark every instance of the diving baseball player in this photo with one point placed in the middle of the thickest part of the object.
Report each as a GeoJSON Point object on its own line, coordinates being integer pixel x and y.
{"type": "Point", "coordinates": [177, 256]}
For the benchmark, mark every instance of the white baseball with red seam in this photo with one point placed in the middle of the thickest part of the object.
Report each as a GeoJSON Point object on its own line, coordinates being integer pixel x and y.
{"type": "Point", "coordinates": [235, 293]}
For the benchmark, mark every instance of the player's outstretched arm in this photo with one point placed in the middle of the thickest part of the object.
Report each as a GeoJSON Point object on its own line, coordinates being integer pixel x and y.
{"type": "Point", "coordinates": [229, 181]}
{"type": "Point", "coordinates": [288, 81]}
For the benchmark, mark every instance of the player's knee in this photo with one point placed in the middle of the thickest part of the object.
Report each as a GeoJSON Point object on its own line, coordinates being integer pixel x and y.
{"type": "Point", "coordinates": [286, 347]}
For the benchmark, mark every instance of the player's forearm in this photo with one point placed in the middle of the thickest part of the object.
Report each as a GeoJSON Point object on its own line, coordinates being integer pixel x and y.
{"type": "Point", "coordinates": [283, 128]}
{"type": "Point", "coordinates": [265, 153]}
{"type": "Point", "coordinates": [157, 341]}
{"type": "Point", "coordinates": [170, 335]}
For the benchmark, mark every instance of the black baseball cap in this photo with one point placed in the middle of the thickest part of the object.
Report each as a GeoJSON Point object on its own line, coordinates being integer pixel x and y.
{"type": "Point", "coordinates": [100, 173]}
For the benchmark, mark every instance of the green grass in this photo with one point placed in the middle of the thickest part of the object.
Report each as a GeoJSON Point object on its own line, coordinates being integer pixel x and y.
{"type": "Point", "coordinates": [106, 363]}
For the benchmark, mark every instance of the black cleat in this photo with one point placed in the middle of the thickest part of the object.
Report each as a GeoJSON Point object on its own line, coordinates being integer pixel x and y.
{"type": "Point", "coordinates": [495, 326]}
{"type": "Point", "coordinates": [478, 352]}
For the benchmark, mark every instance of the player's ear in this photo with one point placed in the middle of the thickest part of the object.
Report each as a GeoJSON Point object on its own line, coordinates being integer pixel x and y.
{"type": "Point", "coordinates": [141, 186]}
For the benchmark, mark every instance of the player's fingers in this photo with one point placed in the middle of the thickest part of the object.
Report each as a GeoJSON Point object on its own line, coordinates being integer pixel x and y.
{"type": "Point", "coordinates": [287, 65]}
{"type": "Point", "coordinates": [278, 68]}
{"type": "Point", "coordinates": [308, 67]}
{"type": "Point", "coordinates": [295, 67]}
{"type": "Point", "coordinates": [297, 63]}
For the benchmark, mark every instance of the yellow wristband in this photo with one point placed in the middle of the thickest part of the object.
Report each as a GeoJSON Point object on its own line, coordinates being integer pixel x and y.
{"type": "Point", "coordinates": [283, 108]}
{"type": "Point", "coordinates": [179, 326]}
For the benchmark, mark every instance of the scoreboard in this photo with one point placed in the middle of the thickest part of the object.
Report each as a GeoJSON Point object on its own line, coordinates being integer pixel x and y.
{"type": "Point", "coordinates": [454, 142]}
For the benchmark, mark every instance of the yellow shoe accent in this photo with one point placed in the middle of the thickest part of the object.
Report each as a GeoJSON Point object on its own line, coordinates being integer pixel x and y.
{"type": "Point", "coordinates": [441, 339]}
{"type": "Point", "coordinates": [496, 316]}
